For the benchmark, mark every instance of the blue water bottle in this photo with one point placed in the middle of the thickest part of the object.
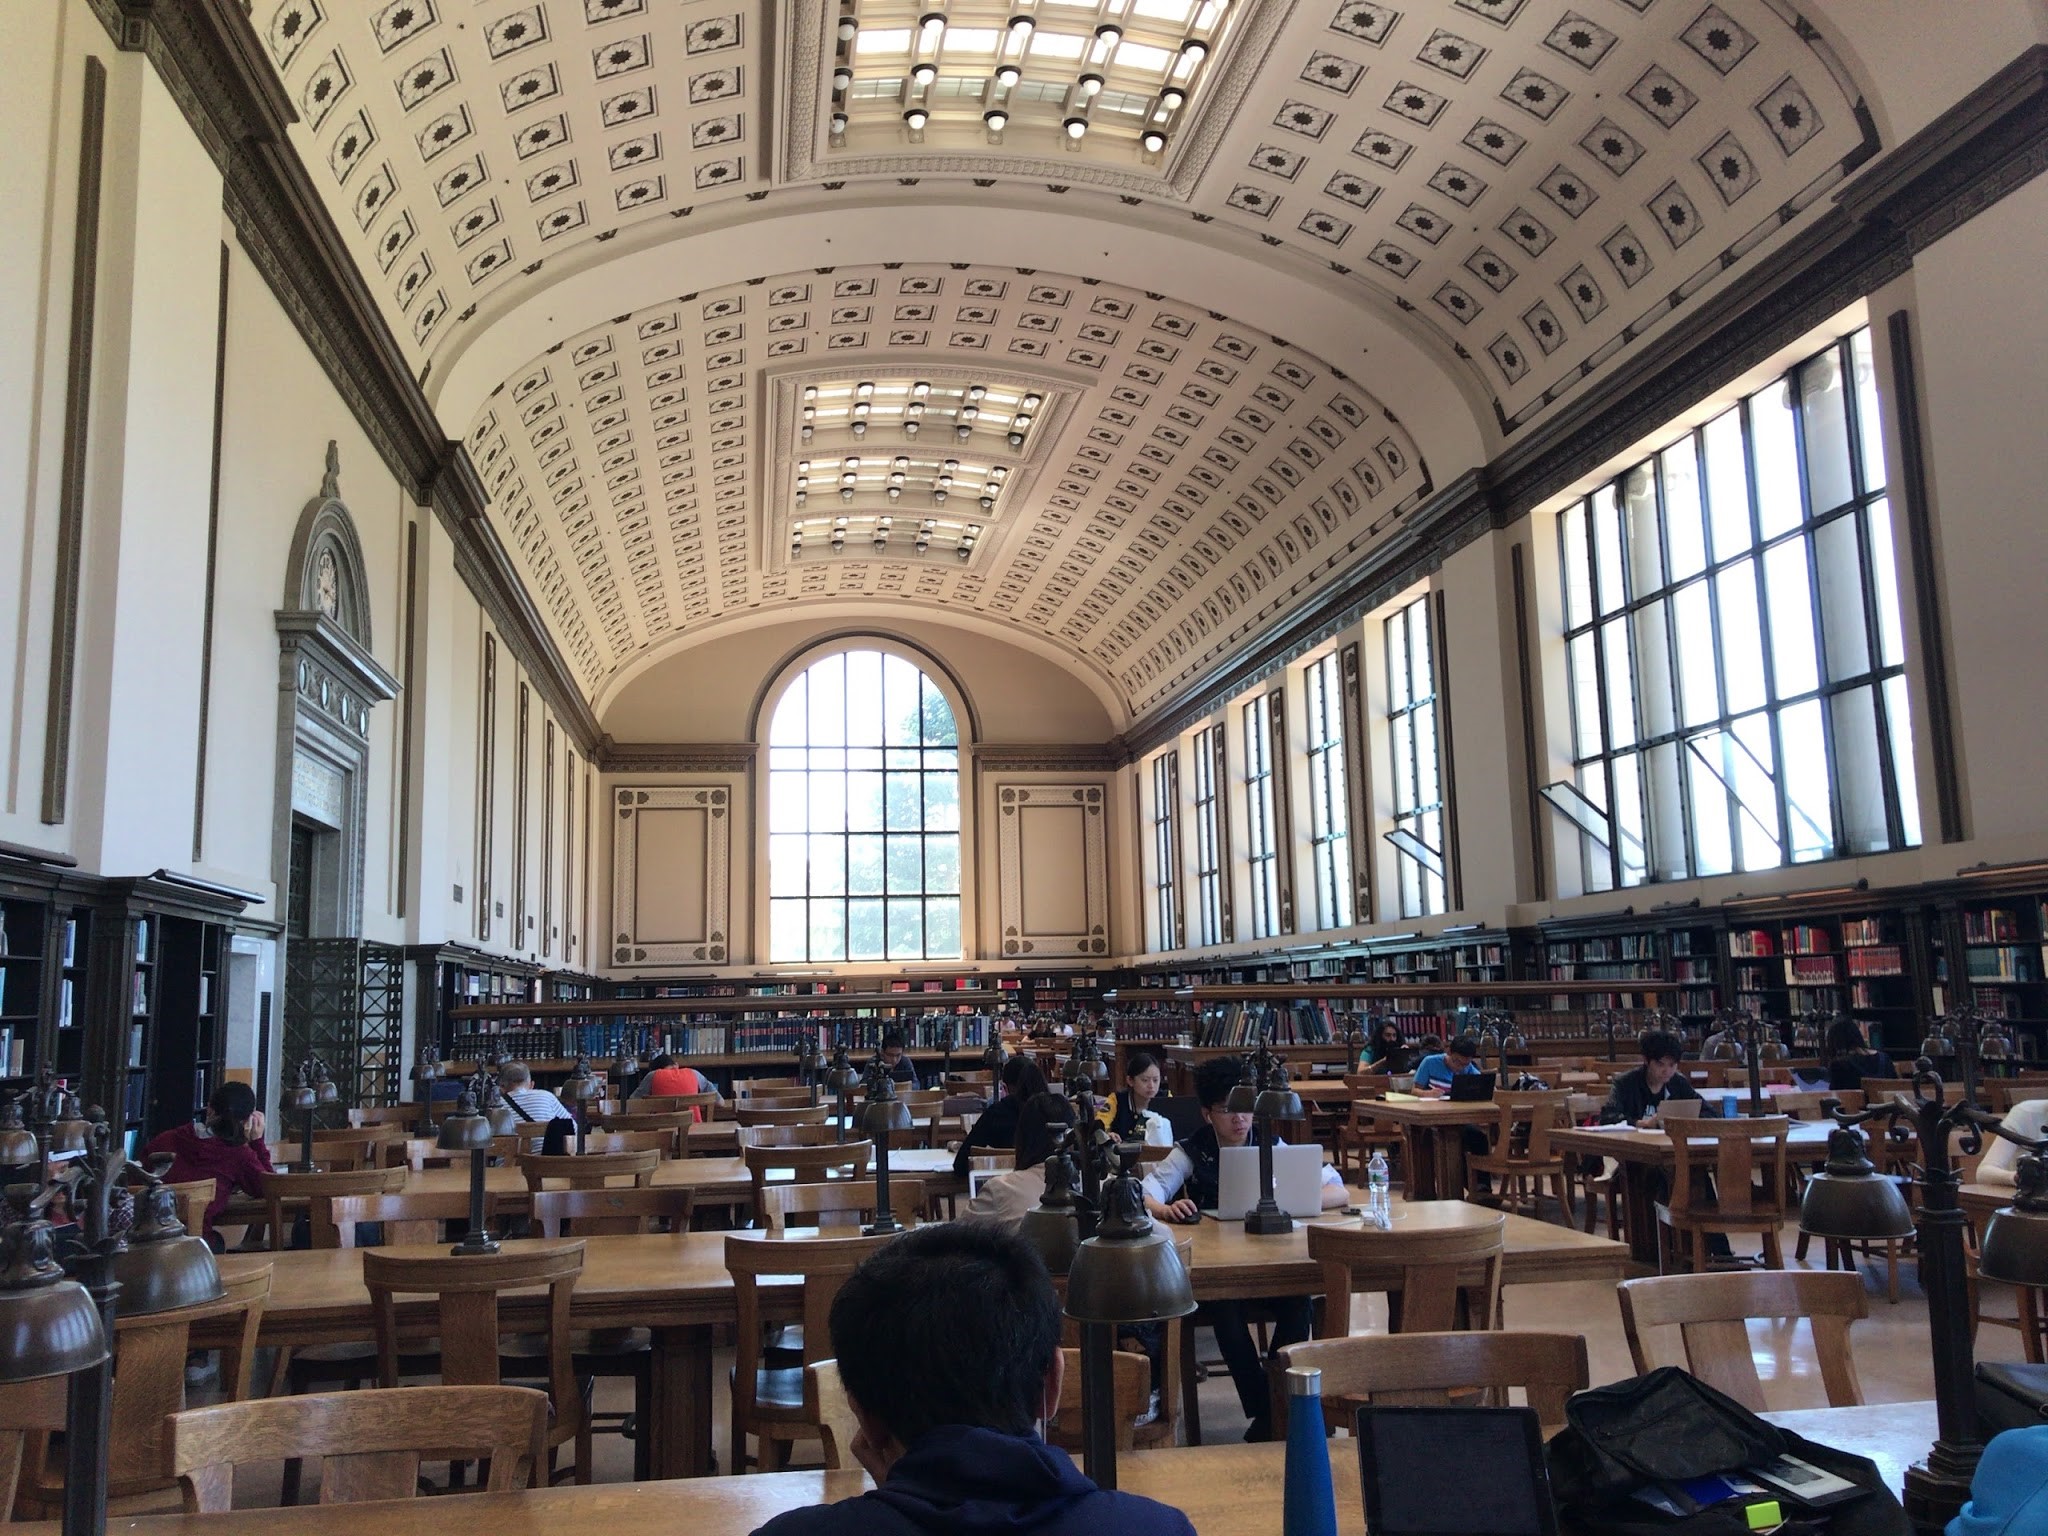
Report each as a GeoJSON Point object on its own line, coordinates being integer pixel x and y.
{"type": "Point", "coordinates": [1728, 1110]}
{"type": "Point", "coordinates": [1309, 1506]}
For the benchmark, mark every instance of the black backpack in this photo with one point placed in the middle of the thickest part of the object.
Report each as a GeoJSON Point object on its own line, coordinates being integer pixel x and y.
{"type": "Point", "coordinates": [1669, 1426]}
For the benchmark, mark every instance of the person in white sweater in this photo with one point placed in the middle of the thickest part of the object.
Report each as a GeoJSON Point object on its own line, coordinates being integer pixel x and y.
{"type": "Point", "coordinates": [2028, 1118]}
{"type": "Point", "coordinates": [1006, 1197]}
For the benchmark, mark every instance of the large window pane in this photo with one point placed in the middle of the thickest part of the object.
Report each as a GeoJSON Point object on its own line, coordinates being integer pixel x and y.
{"type": "Point", "coordinates": [830, 804]}
{"type": "Point", "coordinates": [1775, 448]}
{"type": "Point", "coordinates": [1796, 666]}
{"type": "Point", "coordinates": [1742, 706]}
{"type": "Point", "coordinates": [1416, 780]}
{"type": "Point", "coordinates": [1329, 805]}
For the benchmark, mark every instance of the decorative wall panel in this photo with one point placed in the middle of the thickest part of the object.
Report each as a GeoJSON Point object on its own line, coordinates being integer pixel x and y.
{"type": "Point", "coordinates": [671, 864]}
{"type": "Point", "coordinates": [1052, 855]}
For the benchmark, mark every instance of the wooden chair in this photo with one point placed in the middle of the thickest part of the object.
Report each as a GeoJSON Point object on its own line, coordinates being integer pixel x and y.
{"type": "Point", "coordinates": [2002, 1093]}
{"type": "Point", "coordinates": [672, 1127]}
{"type": "Point", "coordinates": [407, 1218]}
{"type": "Point", "coordinates": [149, 1385]}
{"type": "Point", "coordinates": [1521, 1158]}
{"type": "Point", "coordinates": [370, 1444]}
{"type": "Point", "coordinates": [796, 1114]}
{"type": "Point", "coordinates": [804, 1165]}
{"type": "Point", "coordinates": [827, 1406]}
{"type": "Point", "coordinates": [385, 1114]}
{"type": "Point", "coordinates": [770, 1402]}
{"type": "Point", "coordinates": [788, 1136]}
{"type": "Point", "coordinates": [1711, 1313]}
{"type": "Point", "coordinates": [1435, 1369]}
{"type": "Point", "coordinates": [1876, 1089]}
{"type": "Point", "coordinates": [850, 1201]}
{"type": "Point", "coordinates": [778, 1098]}
{"type": "Point", "coordinates": [1750, 1167]}
{"type": "Point", "coordinates": [594, 1170]}
{"type": "Point", "coordinates": [358, 1146]}
{"type": "Point", "coordinates": [2030, 1307]}
{"type": "Point", "coordinates": [1436, 1278]}
{"type": "Point", "coordinates": [752, 1085]}
{"type": "Point", "coordinates": [30, 1412]}
{"type": "Point", "coordinates": [1132, 1395]}
{"type": "Point", "coordinates": [601, 1143]}
{"type": "Point", "coordinates": [279, 1188]}
{"type": "Point", "coordinates": [1359, 1137]}
{"type": "Point", "coordinates": [699, 1106]}
{"type": "Point", "coordinates": [193, 1198]}
{"type": "Point", "coordinates": [466, 1292]}
{"type": "Point", "coordinates": [598, 1212]}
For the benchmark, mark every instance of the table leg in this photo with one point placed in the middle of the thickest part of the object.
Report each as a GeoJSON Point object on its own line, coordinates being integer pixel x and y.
{"type": "Point", "coordinates": [1639, 1188]}
{"type": "Point", "coordinates": [1418, 1168]}
{"type": "Point", "coordinates": [680, 1436]}
{"type": "Point", "coordinates": [1450, 1162]}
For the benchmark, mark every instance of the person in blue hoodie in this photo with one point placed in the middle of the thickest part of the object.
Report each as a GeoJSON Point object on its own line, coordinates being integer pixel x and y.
{"type": "Point", "coordinates": [2009, 1493]}
{"type": "Point", "coordinates": [948, 1346]}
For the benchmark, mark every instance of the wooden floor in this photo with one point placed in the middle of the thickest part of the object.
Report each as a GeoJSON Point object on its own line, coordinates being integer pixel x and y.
{"type": "Point", "coordinates": [1891, 1355]}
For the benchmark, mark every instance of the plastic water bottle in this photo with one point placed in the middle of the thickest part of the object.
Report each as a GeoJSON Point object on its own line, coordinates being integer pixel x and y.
{"type": "Point", "coordinates": [1727, 1106]}
{"type": "Point", "coordinates": [1377, 1211]}
{"type": "Point", "coordinates": [1308, 1503]}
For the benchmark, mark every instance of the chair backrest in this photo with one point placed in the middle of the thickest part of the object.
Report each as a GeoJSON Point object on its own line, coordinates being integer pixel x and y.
{"type": "Point", "coordinates": [30, 1412]}
{"type": "Point", "coordinates": [2002, 1093]}
{"type": "Point", "coordinates": [149, 1375]}
{"type": "Point", "coordinates": [1431, 1269]}
{"type": "Point", "coordinates": [836, 1206]}
{"type": "Point", "coordinates": [804, 1165]}
{"type": "Point", "coordinates": [1423, 1370]}
{"type": "Point", "coordinates": [278, 1188]}
{"type": "Point", "coordinates": [1132, 1393]}
{"type": "Point", "coordinates": [1367, 1082]}
{"type": "Point", "coordinates": [820, 1263]}
{"type": "Point", "coordinates": [1711, 1312]}
{"type": "Point", "coordinates": [788, 1135]}
{"type": "Point", "coordinates": [662, 1143]}
{"type": "Point", "coordinates": [1878, 1088]}
{"type": "Point", "coordinates": [193, 1197]}
{"type": "Point", "coordinates": [827, 1406]}
{"type": "Point", "coordinates": [1807, 1104]}
{"type": "Point", "coordinates": [673, 1125]}
{"type": "Point", "coordinates": [795, 1114]}
{"type": "Point", "coordinates": [407, 1218]}
{"type": "Point", "coordinates": [1527, 1117]}
{"type": "Point", "coordinates": [922, 1101]}
{"type": "Point", "coordinates": [385, 1114]}
{"type": "Point", "coordinates": [370, 1442]}
{"type": "Point", "coordinates": [466, 1290]}
{"type": "Point", "coordinates": [598, 1212]}
{"type": "Point", "coordinates": [1734, 1152]}
{"type": "Point", "coordinates": [594, 1170]}
{"type": "Point", "coordinates": [668, 1104]}
{"type": "Point", "coordinates": [751, 1085]}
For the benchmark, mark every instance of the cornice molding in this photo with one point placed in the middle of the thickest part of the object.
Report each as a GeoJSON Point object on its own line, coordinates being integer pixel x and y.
{"type": "Point", "coordinates": [1049, 757]}
{"type": "Point", "coordinates": [674, 757]}
{"type": "Point", "coordinates": [211, 61]}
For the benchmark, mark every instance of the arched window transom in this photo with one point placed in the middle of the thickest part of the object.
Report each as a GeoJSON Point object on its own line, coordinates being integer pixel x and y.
{"type": "Point", "coordinates": [863, 814]}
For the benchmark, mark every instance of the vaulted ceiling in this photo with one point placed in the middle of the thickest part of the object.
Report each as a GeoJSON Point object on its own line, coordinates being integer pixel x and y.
{"type": "Point", "coordinates": [1267, 271]}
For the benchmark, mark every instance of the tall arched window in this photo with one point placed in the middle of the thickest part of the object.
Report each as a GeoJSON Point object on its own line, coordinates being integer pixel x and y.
{"type": "Point", "coordinates": [863, 814]}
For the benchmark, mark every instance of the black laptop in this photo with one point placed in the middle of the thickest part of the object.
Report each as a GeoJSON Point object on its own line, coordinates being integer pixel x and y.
{"type": "Point", "coordinates": [1472, 1087]}
{"type": "Point", "coordinates": [1454, 1472]}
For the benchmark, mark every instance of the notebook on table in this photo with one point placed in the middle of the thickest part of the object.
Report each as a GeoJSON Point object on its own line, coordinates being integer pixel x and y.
{"type": "Point", "coordinates": [1297, 1181]}
{"type": "Point", "coordinates": [1454, 1472]}
{"type": "Point", "coordinates": [1472, 1087]}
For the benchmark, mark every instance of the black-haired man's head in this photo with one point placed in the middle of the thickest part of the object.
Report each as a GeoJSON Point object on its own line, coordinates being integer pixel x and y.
{"type": "Point", "coordinates": [952, 1324]}
{"type": "Point", "coordinates": [1213, 1081]}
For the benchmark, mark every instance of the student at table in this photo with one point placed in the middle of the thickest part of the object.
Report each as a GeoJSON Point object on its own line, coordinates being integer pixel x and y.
{"type": "Point", "coordinates": [896, 1060]}
{"type": "Point", "coordinates": [1635, 1096]}
{"type": "Point", "coordinates": [1183, 1184]}
{"type": "Point", "coordinates": [515, 1081]}
{"type": "Point", "coordinates": [226, 1147]}
{"type": "Point", "coordinates": [1006, 1197]}
{"type": "Point", "coordinates": [948, 1346]}
{"type": "Point", "coordinates": [1133, 1119]}
{"type": "Point", "coordinates": [1020, 1083]}
{"type": "Point", "coordinates": [668, 1078]}
{"type": "Point", "coordinates": [1385, 1050]}
{"type": "Point", "coordinates": [1460, 1056]}
{"type": "Point", "coordinates": [2027, 1118]}
{"type": "Point", "coordinates": [1851, 1057]}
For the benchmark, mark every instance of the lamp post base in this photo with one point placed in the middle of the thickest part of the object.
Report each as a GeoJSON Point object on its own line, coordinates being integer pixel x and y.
{"type": "Point", "coordinates": [1936, 1492]}
{"type": "Point", "coordinates": [1268, 1221]}
{"type": "Point", "coordinates": [477, 1243]}
{"type": "Point", "coordinates": [884, 1225]}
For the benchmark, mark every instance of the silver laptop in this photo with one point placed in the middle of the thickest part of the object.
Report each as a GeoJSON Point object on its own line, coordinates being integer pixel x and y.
{"type": "Point", "coordinates": [1297, 1181]}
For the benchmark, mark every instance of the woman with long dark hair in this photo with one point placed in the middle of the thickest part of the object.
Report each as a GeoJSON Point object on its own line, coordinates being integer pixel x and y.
{"type": "Point", "coordinates": [1007, 1196]}
{"type": "Point", "coordinates": [1134, 1119]}
{"type": "Point", "coordinates": [226, 1147]}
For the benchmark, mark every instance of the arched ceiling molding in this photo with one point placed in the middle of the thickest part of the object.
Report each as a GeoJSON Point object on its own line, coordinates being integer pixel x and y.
{"type": "Point", "coordinates": [1358, 331]}
{"type": "Point", "coordinates": [1541, 187]}
{"type": "Point", "coordinates": [851, 618]}
{"type": "Point", "coordinates": [1186, 482]}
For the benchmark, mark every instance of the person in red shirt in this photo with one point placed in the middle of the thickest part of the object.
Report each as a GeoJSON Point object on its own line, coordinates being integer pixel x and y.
{"type": "Point", "coordinates": [226, 1147]}
{"type": "Point", "coordinates": [667, 1079]}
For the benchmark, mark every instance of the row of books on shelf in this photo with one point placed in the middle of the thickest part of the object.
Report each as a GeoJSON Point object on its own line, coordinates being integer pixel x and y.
{"type": "Point", "coordinates": [1311, 1021]}
{"type": "Point", "coordinates": [1751, 943]}
{"type": "Point", "coordinates": [1992, 926]}
{"type": "Point", "coordinates": [1604, 972]}
{"type": "Point", "coordinates": [1862, 931]}
{"type": "Point", "coordinates": [1807, 939]}
{"type": "Point", "coordinates": [1810, 970]}
{"type": "Point", "coordinates": [1627, 946]}
{"type": "Point", "coordinates": [1877, 960]}
{"type": "Point", "coordinates": [2004, 963]}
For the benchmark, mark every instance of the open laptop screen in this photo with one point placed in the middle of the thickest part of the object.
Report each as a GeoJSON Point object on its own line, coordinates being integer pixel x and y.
{"type": "Point", "coordinates": [1454, 1472]}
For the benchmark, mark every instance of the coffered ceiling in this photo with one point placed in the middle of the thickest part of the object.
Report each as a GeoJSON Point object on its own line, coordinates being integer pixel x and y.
{"type": "Point", "coordinates": [1502, 198]}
